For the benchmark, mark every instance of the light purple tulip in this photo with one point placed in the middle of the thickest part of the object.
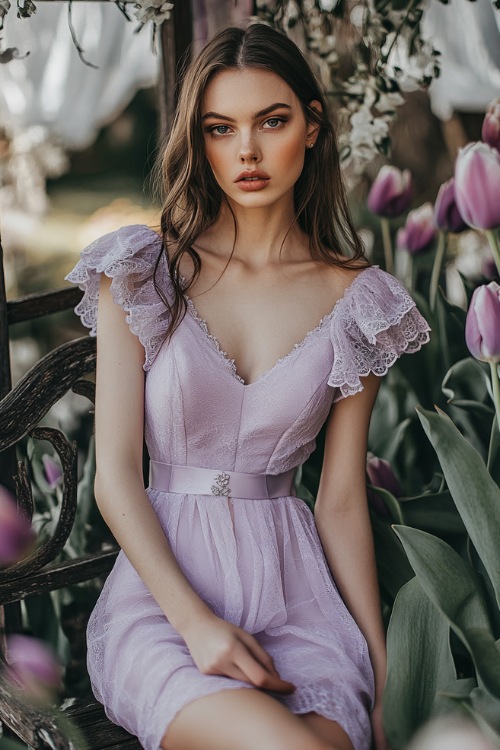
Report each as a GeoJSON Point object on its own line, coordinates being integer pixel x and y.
{"type": "Point", "coordinates": [447, 217]}
{"type": "Point", "coordinates": [482, 326]}
{"type": "Point", "coordinates": [391, 192]}
{"type": "Point", "coordinates": [419, 231]}
{"type": "Point", "coordinates": [16, 534]}
{"type": "Point", "coordinates": [52, 471]}
{"type": "Point", "coordinates": [490, 132]}
{"type": "Point", "coordinates": [477, 185]}
{"type": "Point", "coordinates": [33, 667]}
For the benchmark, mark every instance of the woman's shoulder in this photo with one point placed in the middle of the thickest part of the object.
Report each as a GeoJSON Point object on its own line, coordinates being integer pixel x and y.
{"type": "Point", "coordinates": [129, 257]}
{"type": "Point", "coordinates": [375, 321]}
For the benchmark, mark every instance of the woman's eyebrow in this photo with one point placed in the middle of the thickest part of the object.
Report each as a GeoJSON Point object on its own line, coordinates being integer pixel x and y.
{"type": "Point", "coordinates": [266, 111]}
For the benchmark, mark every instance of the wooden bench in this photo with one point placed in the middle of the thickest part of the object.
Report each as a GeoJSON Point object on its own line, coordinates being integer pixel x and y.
{"type": "Point", "coordinates": [21, 409]}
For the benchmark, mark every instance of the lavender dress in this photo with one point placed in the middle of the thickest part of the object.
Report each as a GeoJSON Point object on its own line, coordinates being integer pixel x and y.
{"type": "Point", "coordinates": [265, 571]}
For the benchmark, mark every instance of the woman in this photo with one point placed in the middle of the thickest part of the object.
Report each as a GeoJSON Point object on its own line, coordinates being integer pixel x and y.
{"type": "Point", "coordinates": [220, 625]}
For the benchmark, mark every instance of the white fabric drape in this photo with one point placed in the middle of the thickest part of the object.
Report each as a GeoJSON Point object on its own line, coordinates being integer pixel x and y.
{"type": "Point", "coordinates": [468, 36]}
{"type": "Point", "coordinates": [53, 88]}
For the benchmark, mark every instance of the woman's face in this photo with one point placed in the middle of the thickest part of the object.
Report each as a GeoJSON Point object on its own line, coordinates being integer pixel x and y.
{"type": "Point", "coordinates": [255, 136]}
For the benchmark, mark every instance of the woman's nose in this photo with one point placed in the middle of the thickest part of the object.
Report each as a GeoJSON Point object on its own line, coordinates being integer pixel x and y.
{"type": "Point", "coordinates": [248, 151]}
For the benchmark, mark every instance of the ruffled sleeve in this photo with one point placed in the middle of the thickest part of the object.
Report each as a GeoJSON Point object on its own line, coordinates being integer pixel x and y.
{"type": "Point", "coordinates": [373, 324]}
{"type": "Point", "coordinates": [128, 257]}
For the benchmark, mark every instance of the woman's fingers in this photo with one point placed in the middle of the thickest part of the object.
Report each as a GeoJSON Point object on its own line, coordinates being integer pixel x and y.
{"type": "Point", "coordinates": [259, 653]}
{"type": "Point", "coordinates": [255, 673]}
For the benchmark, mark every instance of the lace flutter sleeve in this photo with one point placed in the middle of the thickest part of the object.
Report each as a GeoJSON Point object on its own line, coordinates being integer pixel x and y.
{"type": "Point", "coordinates": [375, 322]}
{"type": "Point", "coordinates": [128, 257]}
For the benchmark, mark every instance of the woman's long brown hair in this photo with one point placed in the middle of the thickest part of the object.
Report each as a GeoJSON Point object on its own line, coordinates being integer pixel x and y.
{"type": "Point", "coordinates": [193, 198]}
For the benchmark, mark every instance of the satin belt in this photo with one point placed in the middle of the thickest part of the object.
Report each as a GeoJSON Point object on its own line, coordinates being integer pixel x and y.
{"type": "Point", "coordinates": [193, 480]}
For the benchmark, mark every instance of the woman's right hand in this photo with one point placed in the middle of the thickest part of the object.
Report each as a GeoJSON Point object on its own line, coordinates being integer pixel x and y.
{"type": "Point", "coordinates": [221, 648]}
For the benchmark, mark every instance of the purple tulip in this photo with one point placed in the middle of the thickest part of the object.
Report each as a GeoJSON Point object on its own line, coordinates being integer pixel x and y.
{"type": "Point", "coordinates": [482, 326]}
{"type": "Point", "coordinates": [16, 534]}
{"type": "Point", "coordinates": [419, 231]}
{"type": "Point", "coordinates": [391, 192]}
{"type": "Point", "coordinates": [477, 185]}
{"type": "Point", "coordinates": [381, 474]}
{"type": "Point", "coordinates": [52, 471]}
{"type": "Point", "coordinates": [33, 667]}
{"type": "Point", "coordinates": [446, 214]}
{"type": "Point", "coordinates": [491, 125]}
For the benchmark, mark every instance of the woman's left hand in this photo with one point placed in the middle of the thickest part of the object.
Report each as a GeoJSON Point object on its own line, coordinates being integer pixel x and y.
{"type": "Point", "coordinates": [379, 738]}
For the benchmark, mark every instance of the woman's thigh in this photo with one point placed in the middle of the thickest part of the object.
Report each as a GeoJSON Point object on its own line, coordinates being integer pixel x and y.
{"type": "Point", "coordinates": [328, 730]}
{"type": "Point", "coordinates": [242, 719]}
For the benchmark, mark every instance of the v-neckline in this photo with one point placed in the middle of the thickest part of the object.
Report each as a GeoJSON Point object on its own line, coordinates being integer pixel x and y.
{"type": "Point", "coordinates": [230, 362]}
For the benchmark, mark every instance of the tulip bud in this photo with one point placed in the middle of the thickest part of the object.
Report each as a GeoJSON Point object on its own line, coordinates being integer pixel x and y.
{"type": "Point", "coordinates": [16, 534]}
{"type": "Point", "coordinates": [381, 474]}
{"type": "Point", "coordinates": [52, 471]}
{"type": "Point", "coordinates": [491, 125]}
{"type": "Point", "coordinates": [391, 192]}
{"type": "Point", "coordinates": [482, 326]}
{"type": "Point", "coordinates": [446, 214]}
{"type": "Point", "coordinates": [477, 185]}
{"type": "Point", "coordinates": [33, 667]}
{"type": "Point", "coordinates": [419, 232]}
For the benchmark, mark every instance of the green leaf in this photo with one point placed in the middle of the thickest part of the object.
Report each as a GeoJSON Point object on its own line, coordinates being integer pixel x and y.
{"type": "Point", "coordinates": [434, 512]}
{"type": "Point", "coordinates": [419, 663]}
{"type": "Point", "coordinates": [474, 492]}
{"type": "Point", "coordinates": [454, 588]}
{"type": "Point", "coordinates": [486, 706]}
{"type": "Point", "coordinates": [390, 502]}
{"type": "Point", "coordinates": [393, 567]}
{"type": "Point", "coordinates": [494, 452]}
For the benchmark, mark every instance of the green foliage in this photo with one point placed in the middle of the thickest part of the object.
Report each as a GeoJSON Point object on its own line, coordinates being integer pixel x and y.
{"type": "Point", "coordinates": [461, 594]}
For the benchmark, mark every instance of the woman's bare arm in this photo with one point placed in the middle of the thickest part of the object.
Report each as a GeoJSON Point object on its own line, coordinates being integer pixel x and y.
{"type": "Point", "coordinates": [217, 647]}
{"type": "Point", "coordinates": [343, 521]}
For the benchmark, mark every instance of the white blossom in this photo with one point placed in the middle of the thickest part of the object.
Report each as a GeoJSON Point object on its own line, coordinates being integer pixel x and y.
{"type": "Point", "coordinates": [152, 10]}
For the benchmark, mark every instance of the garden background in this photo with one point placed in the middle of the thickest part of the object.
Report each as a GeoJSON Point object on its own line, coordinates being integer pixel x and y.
{"type": "Point", "coordinates": [410, 83]}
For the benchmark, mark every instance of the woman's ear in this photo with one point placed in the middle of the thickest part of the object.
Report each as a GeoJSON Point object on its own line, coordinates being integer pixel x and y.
{"type": "Point", "coordinates": [313, 127]}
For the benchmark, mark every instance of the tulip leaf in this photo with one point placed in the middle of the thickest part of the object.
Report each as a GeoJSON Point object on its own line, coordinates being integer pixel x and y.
{"type": "Point", "coordinates": [418, 646]}
{"type": "Point", "coordinates": [393, 567]}
{"type": "Point", "coordinates": [486, 706]}
{"type": "Point", "coordinates": [454, 588]}
{"type": "Point", "coordinates": [390, 502]}
{"type": "Point", "coordinates": [466, 382]}
{"type": "Point", "coordinates": [459, 689]}
{"type": "Point", "coordinates": [433, 512]}
{"type": "Point", "coordinates": [474, 492]}
{"type": "Point", "coordinates": [494, 452]}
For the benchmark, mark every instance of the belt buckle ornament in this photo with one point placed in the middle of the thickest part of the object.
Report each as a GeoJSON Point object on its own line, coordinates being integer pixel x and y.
{"type": "Point", "coordinates": [221, 484]}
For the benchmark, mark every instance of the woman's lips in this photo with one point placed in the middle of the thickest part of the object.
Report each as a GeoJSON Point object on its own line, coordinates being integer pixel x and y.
{"type": "Point", "coordinates": [254, 183]}
{"type": "Point", "coordinates": [252, 180]}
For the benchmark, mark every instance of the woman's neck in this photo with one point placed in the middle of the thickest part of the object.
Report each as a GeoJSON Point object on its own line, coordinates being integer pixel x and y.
{"type": "Point", "coordinates": [263, 233]}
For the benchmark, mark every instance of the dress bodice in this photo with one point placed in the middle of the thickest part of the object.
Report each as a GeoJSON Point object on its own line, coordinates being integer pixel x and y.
{"type": "Point", "coordinates": [198, 411]}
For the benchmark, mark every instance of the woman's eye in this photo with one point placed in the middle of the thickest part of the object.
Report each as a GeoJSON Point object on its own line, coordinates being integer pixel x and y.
{"type": "Point", "coordinates": [274, 122]}
{"type": "Point", "coordinates": [220, 130]}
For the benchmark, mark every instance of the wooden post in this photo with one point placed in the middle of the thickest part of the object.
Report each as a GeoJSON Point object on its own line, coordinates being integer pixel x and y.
{"type": "Point", "coordinates": [176, 36]}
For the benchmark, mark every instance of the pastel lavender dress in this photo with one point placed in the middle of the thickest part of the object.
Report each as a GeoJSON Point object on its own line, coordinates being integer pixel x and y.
{"type": "Point", "coordinates": [260, 566]}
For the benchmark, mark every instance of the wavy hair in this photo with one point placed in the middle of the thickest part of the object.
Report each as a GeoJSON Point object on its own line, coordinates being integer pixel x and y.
{"type": "Point", "coordinates": [193, 198]}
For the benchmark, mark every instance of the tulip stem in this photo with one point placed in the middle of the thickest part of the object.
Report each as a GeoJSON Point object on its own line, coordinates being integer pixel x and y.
{"type": "Point", "coordinates": [386, 238]}
{"type": "Point", "coordinates": [495, 248]}
{"type": "Point", "coordinates": [495, 384]}
{"type": "Point", "coordinates": [436, 268]}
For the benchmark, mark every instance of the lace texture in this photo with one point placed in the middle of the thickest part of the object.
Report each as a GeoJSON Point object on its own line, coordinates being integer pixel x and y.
{"type": "Point", "coordinates": [375, 323]}
{"type": "Point", "coordinates": [128, 256]}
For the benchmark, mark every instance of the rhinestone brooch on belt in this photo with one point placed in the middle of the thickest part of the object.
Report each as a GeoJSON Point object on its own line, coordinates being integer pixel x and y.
{"type": "Point", "coordinates": [221, 484]}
